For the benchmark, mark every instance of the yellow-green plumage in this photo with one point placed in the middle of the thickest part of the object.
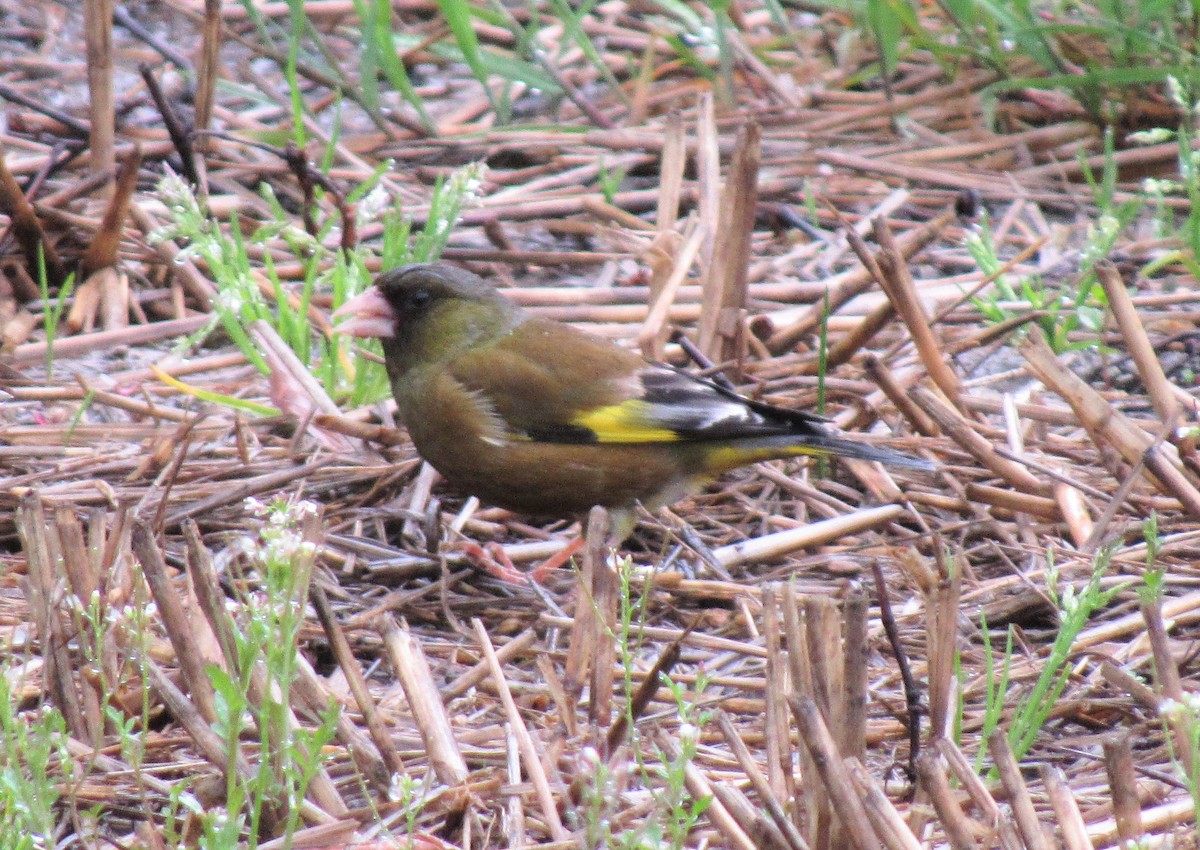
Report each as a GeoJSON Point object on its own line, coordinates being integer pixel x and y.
{"type": "Point", "coordinates": [540, 417]}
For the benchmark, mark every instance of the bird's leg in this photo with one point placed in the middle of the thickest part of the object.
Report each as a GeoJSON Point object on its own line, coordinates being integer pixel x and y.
{"type": "Point", "coordinates": [493, 560]}
{"type": "Point", "coordinates": [557, 560]}
{"type": "Point", "coordinates": [616, 526]}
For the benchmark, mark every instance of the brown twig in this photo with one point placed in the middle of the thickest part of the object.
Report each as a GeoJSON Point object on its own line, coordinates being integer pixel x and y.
{"type": "Point", "coordinates": [725, 283]}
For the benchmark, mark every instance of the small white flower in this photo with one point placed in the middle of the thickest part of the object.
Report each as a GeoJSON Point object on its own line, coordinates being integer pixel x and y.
{"type": "Point", "coordinates": [1151, 137]}
{"type": "Point", "coordinates": [1175, 91]}
{"type": "Point", "coordinates": [305, 508]}
{"type": "Point", "coordinates": [373, 205]}
{"type": "Point", "coordinates": [400, 789]}
{"type": "Point", "coordinates": [1159, 186]}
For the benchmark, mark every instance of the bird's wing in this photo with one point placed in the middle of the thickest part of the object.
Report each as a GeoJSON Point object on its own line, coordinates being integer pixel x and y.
{"type": "Point", "coordinates": [553, 384]}
{"type": "Point", "coordinates": [671, 405]}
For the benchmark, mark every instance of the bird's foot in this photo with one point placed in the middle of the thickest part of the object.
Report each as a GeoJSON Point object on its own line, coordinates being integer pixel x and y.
{"type": "Point", "coordinates": [493, 560]}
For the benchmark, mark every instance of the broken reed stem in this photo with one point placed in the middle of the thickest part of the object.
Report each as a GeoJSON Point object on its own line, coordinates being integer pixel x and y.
{"type": "Point", "coordinates": [206, 84]}
{"type": "Point", "coordinates": [1175, 482]}
{"type": "Point", "coordinates": [1122, 784]}
{"type": "Point", "coordinates": [883, 377]}
{"type": "Point", "coordinates": [1013, 500]}
{"type": "Point", "coordinates": [175, 621]}
{"type": "Point", "coordinates": [958, 428]}
{"type": "Point", "coordinates": [766, 794]}
{"type": "Point", "coordinates": [1074, 511]}
{"type": "Point", "coordinates": [27, 228]}
{"type": "Point", "coordinates": [529, 753]}
{"type": "Point", "coordinates": [1125, 682]}
{"type": "Point", "coordinates": [725, 284]}
{"type": "Point", "coordinates": [1030, 827]}
{"type": "Point", "coordinates": [644, 695]}
{"type": "Point", "coordinates": [1066, 810]}
{"type": "Point", "coordinates": [206, 586]}
{"type": "Point", "coordinates": [1137, 342]}
{"type": "Point", "coordinates": [83, 583]}
{"type": "Point", "coordinates": [567, 709]}
{"type": "Point", "coordinates": [675, 266]}
{"type": "Point", "coordinates": [672, 162]}
{"type": "Point", "coordinates": [177, 130]}
{"type": "Point", "coordinates": [424, 700]}
{"type": "Point", "coordinates": [855, 651]}
{"type": "Point", "coordinates": [941, 590]}
{"type": "Point", "coordinates": [184, 712]}
{"type": "Point", "coordinates": [343, 653]}
{"type": "Point", "coordinates": [815, 799]}
{"type": "Point", "coordinates": [585, 625]}
{"type": "Point", "coordinates": [604, 598]}
{"type": "Point", "coordinates": [516, 647]}
{"type": "Point", "coordinates": [1108, 426]}
{"type": "Point", "coordinates": [846, 803]}
{"type": "Point", "coordinates": [825, 659]}
{"type": "Point", "coordinates": [516, 806]}
{"type": "Point", "coordinates": [114, 299]}
{"type": "Point", "coordinates": [761, 831]}
{"type": "Point", "coordinates": [315, 692]}
{"type": "Point", "coordinates": [851, 284]}
{"type": "Point", "coordinates": [782, 542]}
{"type": "Point", "coordinates": [1166, 678]}
{"type": "Point", "coordinates": [42, 553]}
{"type": "Point", "coordinates": [972, 783]}
{"type": "Point", "coordinates": [955, 823]}
{"type": "Point", "coordinates": [102, 251]}
{"type": "Point", "coordinates": [97, 28]}
{"type": "Point", "coordinates": [778, 741]}
{"type": "Point", "coordinates": [204, 738]}
{"type": "Point", "coordinates": [888, 823]}
{"type": "Point", "coordinates": [897, 282]}
{"type": "Point", "coordinates": [849, 344]}
{"type": "Point", "coordinates": [707, 158]}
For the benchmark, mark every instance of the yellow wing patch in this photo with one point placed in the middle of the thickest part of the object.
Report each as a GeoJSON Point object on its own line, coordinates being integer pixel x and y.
{"type": "Point", "coordinates": [628, 422]}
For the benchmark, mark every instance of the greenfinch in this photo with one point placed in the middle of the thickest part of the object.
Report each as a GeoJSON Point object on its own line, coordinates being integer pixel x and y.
{"type": "Point", "coordinates": [542, 418]}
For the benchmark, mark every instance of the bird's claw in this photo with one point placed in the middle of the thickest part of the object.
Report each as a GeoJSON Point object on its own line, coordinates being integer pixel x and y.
{"type": "Point", "coordinates": [492, 558]}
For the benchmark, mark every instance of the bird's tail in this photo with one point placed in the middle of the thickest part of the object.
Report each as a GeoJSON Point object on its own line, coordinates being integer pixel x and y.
{"type": "Point", "coordinates": [814, 445]}
{"type": "Point", "coordinates": [827, 444]}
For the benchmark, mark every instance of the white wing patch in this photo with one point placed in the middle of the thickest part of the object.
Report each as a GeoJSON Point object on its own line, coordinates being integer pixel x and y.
{"type": "Point", "coordinates": [693, 406]}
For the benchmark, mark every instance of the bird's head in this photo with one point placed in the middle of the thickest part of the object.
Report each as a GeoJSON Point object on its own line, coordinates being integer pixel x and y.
{"type": "Point", "coordinates": [426, 313]}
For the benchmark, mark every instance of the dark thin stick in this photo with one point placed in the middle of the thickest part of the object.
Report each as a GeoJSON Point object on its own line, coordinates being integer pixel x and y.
{"type": "Point", "coordinates": [27, 228]}
{"type": "Point", "coordinates": [309, 178]}
{"type": "Point", "coordinates": [698, 357]}
{"type": "Point", "coordinates": [645, 693]}
{"type": "Point", "coordinates": [576, 97]}
{"type": "Point", "coordinates": [181, 135]}
{"type": "Point", "coordinates": [77, 127]}
{"type": "Point", "coordinates": [134, 28]}
{"type": "Point", "coordinates": [912, 695]}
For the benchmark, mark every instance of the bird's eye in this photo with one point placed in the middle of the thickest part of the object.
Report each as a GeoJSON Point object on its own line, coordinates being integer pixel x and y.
{"type": "Point", "coordinates": [418, 300]}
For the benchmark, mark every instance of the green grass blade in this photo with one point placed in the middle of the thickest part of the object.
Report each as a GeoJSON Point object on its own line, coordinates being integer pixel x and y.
{"type": "Point", "coordinates": [457, 14]}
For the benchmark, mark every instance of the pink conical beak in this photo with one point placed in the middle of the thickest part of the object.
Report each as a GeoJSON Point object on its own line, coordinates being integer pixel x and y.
{"type": "Point", "coordinates": [370, 315]}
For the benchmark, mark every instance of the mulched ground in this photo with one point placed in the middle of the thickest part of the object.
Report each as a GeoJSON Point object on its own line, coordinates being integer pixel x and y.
{"type": "Point", "coordinates": [800, 694]}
